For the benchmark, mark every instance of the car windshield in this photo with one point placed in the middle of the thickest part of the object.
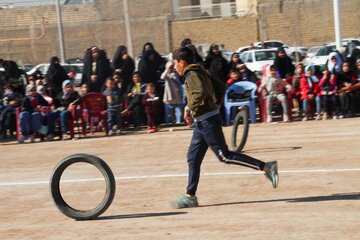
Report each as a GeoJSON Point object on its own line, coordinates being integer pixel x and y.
{"type": "Point", "coordinates": [265, 55]}
{"type": "Point", "coordinates": [325, 51]}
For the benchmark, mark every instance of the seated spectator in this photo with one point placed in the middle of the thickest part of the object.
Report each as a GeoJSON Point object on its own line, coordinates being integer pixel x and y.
{"type": "Point", "coordinates": [272, 87]}
{"type": "Point", "coordinates": [64, 104]}
{"type": "Point", "coordinates": [235, 60]}
{"type": "Point", "coordinates": [84, 89]}
{"type": "Point", "coordinates": [233, 77]}
{"type": "Point", "coordinates": [151, 103]}
{"type": "Point", "coordinates": [134, 96]}
{"type": "Point", "coordinates": [328, 93]}
{"type": "Point", "coordinates": [348, 94]}
{"type": "Point", "coordinates": [114, 105]}
{"type": "Point", "coordinates": [246, 74]}
{"type": "Point", "coordinates": [295, 87]}
{"type": "Point", "coordinates": [334, 62]}
{"type": "Point", "coordinates": [30, 117]}
{"type": "Point", "coordinates": [310, 93]}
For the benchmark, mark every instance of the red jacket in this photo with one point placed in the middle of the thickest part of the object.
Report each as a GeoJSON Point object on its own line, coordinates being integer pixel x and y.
{"type": "Point", "coordinates": [306, 89]}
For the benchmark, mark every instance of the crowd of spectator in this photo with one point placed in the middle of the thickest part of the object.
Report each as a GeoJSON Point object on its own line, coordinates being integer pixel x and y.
{"type": "Point", "coordinates": [151, 94]}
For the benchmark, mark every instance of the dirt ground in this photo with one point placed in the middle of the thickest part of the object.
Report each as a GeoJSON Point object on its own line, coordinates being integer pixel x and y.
{"type": "Point", "coordinates": [318, 196]}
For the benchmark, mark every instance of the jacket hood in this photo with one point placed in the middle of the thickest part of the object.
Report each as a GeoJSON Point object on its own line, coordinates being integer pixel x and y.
{"type": "Point", "coordinates": [194, 67]}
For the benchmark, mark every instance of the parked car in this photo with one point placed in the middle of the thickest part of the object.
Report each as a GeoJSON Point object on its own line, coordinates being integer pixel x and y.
{"type": "Point", "coordinates": [255, 60]}
{"type": "Point", "coordinates": [310, 54]}
{"type": "Point", "coordinates": [296, 53]}
{"type": "Point", "coordinates": [240, 50]}
{"type": "Point", "coordinates": [76, 68]}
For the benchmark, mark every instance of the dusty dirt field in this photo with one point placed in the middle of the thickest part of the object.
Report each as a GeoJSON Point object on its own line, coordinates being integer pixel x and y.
{"type": "Point", "coordinates": [318, 196]}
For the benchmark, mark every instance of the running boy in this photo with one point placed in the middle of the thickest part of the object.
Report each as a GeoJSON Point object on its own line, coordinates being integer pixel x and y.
{"type": "Point", "coordinates": [204, 96]}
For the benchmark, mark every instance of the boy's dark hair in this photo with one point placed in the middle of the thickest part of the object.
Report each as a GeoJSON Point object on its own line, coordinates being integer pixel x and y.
{"type": "Point", "coordinates": [232, 70]}
{"type": "Point", "coordinates": [185, 54]}
{"type": "Point", "coordinates": [110, 79]}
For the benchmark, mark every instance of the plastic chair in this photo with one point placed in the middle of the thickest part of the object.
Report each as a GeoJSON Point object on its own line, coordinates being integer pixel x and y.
{"type": "Point", "coordinates": [240, 87]}
{"type": "Point", "coordinates": [93, 106]}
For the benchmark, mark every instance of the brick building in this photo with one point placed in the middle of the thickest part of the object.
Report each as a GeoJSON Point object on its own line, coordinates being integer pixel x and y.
{"type": "Point", "coordinates": [23, 38]}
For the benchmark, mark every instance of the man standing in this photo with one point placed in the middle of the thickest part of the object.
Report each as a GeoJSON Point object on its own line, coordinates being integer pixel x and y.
{"type": "Point", "coordinates": [204, 96]}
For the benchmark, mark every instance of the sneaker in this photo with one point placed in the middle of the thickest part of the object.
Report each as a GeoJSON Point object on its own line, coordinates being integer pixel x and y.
{"type": "Point", "coordinates": [32, 138]}
{"type": "Point", "coordinates": [272, 173]}
{"type": "Point", "coordinates": [118, 132]}
{"type": "Point", "coordinates": [286, 118]}
{"type": "Point", "coordinates": [305, 119]}
{"type": "Point", "coordinates": [186, 201]}
{"type": "Point", "coordinates": [318, 117]}
{"type": "Point", "coordinates": [110, 133]}
{"type": "Point", "coordinates": [50, 137]}
{"type": "Point", "coordinates": [22, 139]}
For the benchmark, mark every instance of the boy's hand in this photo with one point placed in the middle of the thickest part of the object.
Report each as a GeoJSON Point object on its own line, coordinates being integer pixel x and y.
{"type": "Point", "coordinates": [187, 117]}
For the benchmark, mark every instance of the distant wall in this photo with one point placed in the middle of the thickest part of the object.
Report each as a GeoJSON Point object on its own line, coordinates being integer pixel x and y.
{"type": "Point", "coordinates": [297, 22]}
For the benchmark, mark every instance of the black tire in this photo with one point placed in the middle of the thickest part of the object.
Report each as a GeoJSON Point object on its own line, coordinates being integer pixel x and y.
{"type": "Point", "coordinates": [55, 186]}
{"type": "Point", "coordinates": [240, 129]}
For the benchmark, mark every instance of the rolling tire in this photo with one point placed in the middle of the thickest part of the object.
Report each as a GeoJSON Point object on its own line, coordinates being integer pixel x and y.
{"type": "Point", "coordinates": [240, 130]}
{"type": "Point", "coordinates": [55, 186]}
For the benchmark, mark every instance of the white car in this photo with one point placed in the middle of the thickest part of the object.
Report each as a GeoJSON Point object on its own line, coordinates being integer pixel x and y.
{"type": "Point", "coordinates": [295, 52]}
{"type": "Point", "coordinates": [311, 53]}
{"type": "Point", "coordinates": [77, 68]}
{"type": "Point", "coordinates": [255, 60]}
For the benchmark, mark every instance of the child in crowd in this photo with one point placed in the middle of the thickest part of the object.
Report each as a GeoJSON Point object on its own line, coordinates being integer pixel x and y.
{"type": "Point", "coordinates": [30, 117]}
{"type": "Point", "coordinates": [152, 103]}
{"type": "Point", "coordinates": [114, 105]}
{"type": "Point", "coordinates": [295, 87]}
{"type": "Point", "coordinates": [328, 90]}
{"type": "Point", "coordinates": [64, 104]}
{"type": "Point", "coordinates": [309, 85]}
{"type": "Point", "coordinates": [172, 94]}
{"type": "Point", "coordinates": [272, 87]}
{"type": "Point", "coordinates": [233, 77]}
{"type": "Point", "coordinates": [8, 114]}
{"type": "Point", "coordinates": [84, 89]}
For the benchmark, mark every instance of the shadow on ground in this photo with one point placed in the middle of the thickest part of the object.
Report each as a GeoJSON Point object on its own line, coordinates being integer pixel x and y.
{"type": "Point", "coordinates": [139, 215]}
{"type": "Point", "coordinates": [333, 197]}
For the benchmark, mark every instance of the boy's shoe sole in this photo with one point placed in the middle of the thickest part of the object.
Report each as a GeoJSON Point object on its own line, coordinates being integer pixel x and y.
{"type": "Point", "coordinates": [272, 173]}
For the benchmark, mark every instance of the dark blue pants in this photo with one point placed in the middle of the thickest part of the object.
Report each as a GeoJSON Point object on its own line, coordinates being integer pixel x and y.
{"type": "Point", "coordinates": [208, 133]}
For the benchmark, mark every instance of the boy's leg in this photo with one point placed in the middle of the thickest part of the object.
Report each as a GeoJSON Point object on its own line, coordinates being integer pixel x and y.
{"type": "Point", "coordinates": [25, 123]}
{"type": "Point", "coordinates": [211, 130]}
{"type": "Point", "coordinates": [195, 156]}
{"type": "Point", "coordinates": [36, 121]}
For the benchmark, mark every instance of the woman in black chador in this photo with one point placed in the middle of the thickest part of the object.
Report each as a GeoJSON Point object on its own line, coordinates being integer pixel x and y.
{"type": "Point", "coordinates": [56, 74]}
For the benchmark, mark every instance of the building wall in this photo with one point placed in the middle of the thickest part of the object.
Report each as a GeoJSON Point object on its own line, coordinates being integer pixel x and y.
{"type": "Point", "coordinates": [298, 22]}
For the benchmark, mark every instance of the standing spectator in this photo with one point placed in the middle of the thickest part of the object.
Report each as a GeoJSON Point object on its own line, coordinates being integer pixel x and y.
{"type": "Point", "coordinates": [151, 103]}
{"type": "Point", "coordinates": [151, 64]}
{"type": "Point", "coordinates": [172, 94]}
{"type": "Point", "coordinates": [283, 64]}
{"type": "Point", "coordinates": [216, 64]}
{"type": "Point", "coordinates": [56, 74]}
{"type": "Point", "coordinates": [123, 64]}
{"type": "Point", "coordinates": [96, 69]}
{"type": "Point", "coordinates": [235, 60]}
{"type": "Point", "coordinates": [309, 93]}
{"type": "Point", "coordinates": [114, 105]}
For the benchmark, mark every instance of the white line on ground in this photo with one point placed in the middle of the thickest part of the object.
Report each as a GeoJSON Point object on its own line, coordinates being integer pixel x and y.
{"type": "Point", "coordinates": [179, 175]}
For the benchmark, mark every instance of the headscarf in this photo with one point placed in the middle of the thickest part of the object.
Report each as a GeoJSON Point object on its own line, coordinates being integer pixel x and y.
{"type": "Point", "coordinates": [28, 88]}
{"type": "Point", "coordinates": [311, 79]}
{"type": "Point", "coordinates": [40, 88]}
{"type": "Point", "coordinates": [332, 68]}
{"type": "Point", "coordinates": [66, 82]}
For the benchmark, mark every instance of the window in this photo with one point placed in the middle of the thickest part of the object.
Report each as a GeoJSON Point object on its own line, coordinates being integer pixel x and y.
{"type": "Point", "coordinates": [193, 9]}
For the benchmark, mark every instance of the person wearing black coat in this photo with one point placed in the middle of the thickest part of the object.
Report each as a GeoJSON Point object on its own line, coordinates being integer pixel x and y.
{"type": "Point", "coordinates": [123, 64]}
{"type": "Point", "coordinates": [56, 74]}
{"type": "Point", "coordinates": [96, 69]}
{"type": "Point", "coordinates": [284, 64]}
